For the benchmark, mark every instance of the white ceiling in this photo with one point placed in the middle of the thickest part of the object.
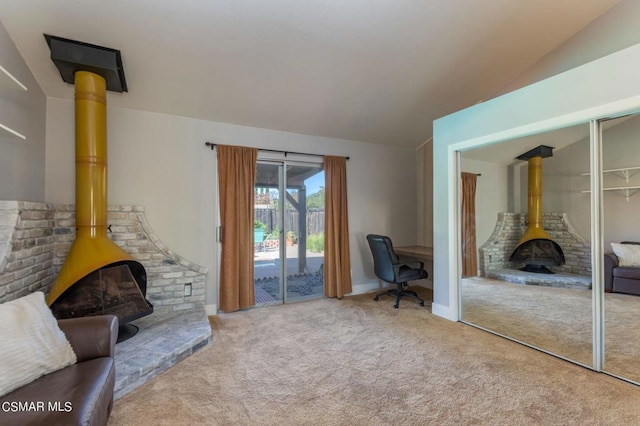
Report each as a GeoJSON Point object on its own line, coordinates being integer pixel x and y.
{"type": "Point", "coordinates": [506, 153]}
{"type": "Point", "coordinates": [371, 70]}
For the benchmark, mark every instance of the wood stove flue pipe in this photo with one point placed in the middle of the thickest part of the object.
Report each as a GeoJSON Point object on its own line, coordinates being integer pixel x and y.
{"type": "Point", "coordinates": [535, 228]}
{"type": "Point", "coordinates": [92, 249]}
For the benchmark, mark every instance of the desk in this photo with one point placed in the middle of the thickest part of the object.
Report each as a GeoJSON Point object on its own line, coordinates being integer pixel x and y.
{"type": "Point", "coordinates": [418, 252]}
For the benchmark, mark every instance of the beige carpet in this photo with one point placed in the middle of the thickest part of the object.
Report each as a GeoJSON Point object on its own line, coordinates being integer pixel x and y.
{"type": "Point", "coordinates": [359, 362]}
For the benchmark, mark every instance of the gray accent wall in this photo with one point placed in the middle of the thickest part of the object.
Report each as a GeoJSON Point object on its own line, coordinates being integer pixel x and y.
{"type": "Point", "coordinates": [22, 161]}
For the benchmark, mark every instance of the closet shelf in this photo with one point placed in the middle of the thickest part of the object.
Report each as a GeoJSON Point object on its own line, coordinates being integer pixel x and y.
{"type": "Point", "coordinates": [627, 191]}
{"type": "Point", "coordinates": [625, 173]}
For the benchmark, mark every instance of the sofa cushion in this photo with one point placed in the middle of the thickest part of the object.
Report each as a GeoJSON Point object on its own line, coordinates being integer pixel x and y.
{"type": "Point", "coordinates": [631, 273]}
{"type": "Point", "coordinates": [81, 394]}
{"type": "Point", "coordinates": [628, 254]}
{"type": "Point", "coordinates": [32, 343]}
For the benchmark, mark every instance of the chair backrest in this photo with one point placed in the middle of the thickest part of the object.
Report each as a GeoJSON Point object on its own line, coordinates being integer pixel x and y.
{"type": "Point", "coordinates": [384, 258]}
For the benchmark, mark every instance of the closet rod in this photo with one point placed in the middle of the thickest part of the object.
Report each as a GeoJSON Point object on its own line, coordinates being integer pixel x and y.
{"type": "Point", "coordinates": [212, 146]}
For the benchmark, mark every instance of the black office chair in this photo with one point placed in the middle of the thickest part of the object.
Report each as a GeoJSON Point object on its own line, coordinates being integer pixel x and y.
{"type": "Point", "coordinates": [388, 268]}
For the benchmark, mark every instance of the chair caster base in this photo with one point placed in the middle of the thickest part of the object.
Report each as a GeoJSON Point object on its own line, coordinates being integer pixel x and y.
{"type": "Point", "coordinates": [398, 293]}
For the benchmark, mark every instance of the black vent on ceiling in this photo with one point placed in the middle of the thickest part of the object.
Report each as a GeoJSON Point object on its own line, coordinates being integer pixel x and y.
{"type": "Point", "coordinates": [71, 56]}
{"type": "Point", "coordinates": [539, 151]}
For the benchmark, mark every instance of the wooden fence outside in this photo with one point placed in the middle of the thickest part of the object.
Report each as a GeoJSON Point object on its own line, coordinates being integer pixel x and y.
{"type": "Point", "coordinates": [271, 218]}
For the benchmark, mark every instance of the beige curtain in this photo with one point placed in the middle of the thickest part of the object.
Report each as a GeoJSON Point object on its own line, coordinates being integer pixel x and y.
{"type": "Point", "coordinates": [468, 231]}
{"type": "Point", "coordinates": [237, 176]}
{"type": "Point", "coordinates": [337, 262]}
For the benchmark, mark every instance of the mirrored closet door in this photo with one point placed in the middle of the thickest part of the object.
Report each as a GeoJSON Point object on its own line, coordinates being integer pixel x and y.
{"type": "Point", "coordinates": [621, 235]}
{"type": "Point", "coordinates": [528, 226]}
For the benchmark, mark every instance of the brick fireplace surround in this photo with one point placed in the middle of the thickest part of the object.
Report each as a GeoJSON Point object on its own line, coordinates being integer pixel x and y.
{"type": "Point", "coordinates": [34, 241]}
{"type": "Point", "coordinates": [495, 252]}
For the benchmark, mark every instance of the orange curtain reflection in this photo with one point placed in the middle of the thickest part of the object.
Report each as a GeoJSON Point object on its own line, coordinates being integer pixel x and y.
{"type": "Point", "coordinates": [468, 231]}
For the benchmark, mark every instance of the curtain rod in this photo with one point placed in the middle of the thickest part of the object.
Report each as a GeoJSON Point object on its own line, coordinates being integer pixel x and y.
{"type": "Point", "coordinates": [212, 146]}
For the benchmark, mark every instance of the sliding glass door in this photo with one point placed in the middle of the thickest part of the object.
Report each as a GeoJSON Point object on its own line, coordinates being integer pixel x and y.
{"type": "Point", "coordinates": [288, 231]}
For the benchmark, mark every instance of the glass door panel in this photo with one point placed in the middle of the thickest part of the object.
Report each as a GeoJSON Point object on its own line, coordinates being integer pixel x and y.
{"type": "Point", "coordinates": [620, 205]}
{"type": "Point", "coordinates": [304, 231]}
{"type": "Point", "coordinates": [532, 230]}
{"type": "Point", "coordinates": [267, 235]}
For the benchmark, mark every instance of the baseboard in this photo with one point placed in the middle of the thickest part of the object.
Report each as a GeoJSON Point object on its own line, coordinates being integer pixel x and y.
{"type": "Point", "coordinates": [211, 309]}
{"type": "Point", "coordinates": [356, 289]}
{"type": "Point", "coordinates": [444, 311]}
{"type": "Point", "coordinates": [365, 287]}
{"type": "Point", "coordinates": [380, 285]}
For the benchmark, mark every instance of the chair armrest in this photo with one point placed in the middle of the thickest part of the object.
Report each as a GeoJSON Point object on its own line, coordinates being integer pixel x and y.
{"type": "Point", "coordinates": [91, 337]}
{"type": "Point", "coordinates": [411, 262]}
{"type": "Point", "coordinates": [610, 262]}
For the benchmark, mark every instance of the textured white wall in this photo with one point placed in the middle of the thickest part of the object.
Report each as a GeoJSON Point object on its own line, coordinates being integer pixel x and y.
{"type": "Point", "coordinates": [160, 161]}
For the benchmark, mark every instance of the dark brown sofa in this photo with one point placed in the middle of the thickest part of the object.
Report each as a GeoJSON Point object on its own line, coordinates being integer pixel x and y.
{"type": "Point", "coordinates": [619, 279]}
{"type": "Point", "coordinates": [80, 394]}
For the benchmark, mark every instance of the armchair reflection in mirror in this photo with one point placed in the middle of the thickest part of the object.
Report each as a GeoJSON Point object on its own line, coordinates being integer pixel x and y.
{"type": "Point", "coordinates": [622, 268]}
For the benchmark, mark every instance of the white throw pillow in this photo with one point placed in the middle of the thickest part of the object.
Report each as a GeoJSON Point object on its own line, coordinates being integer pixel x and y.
{"type": "Point", "coordinates": [32, 343]}
{"type": "Point", "coordinates": [628, 254]}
